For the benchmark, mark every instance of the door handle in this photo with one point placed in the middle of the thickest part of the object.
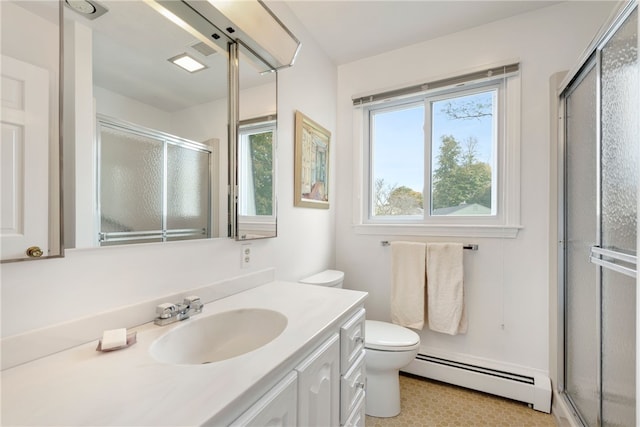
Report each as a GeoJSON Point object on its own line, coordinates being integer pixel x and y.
{"type": "Point", "coordinates": [613, 266]}
{"type": "Point", "coordinates": [597, 252]}
{"type": "Point", "coordinates": [34, 252]}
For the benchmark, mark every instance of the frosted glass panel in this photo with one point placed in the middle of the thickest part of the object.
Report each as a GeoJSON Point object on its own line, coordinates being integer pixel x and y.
{"type": "Point", "coordinates": [187, 189]}
{"type": "Point", "coordinates": [620, 138]}
{"type": "Point", "coordinates": [131, 173]}
{"type": "Point", "coordinates": [582, 346]}
{"type": "Point", "coordinates": [600, 303]}
{"type": "Point", "coordinates": [618, 349]}
{"type": "Point", "coordinates": [619, 218]}
{"type": "Point", "coordinates": [153, 186]}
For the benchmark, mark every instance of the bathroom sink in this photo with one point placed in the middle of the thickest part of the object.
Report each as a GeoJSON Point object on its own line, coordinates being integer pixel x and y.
{"type": "Point", "coordinates": [218, 337]}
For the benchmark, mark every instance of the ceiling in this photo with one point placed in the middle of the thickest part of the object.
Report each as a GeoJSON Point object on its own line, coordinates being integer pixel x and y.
{"type": "Point", "coordinates": [132, 43]}
{"type": "Point", "coordinates": [348, 30]}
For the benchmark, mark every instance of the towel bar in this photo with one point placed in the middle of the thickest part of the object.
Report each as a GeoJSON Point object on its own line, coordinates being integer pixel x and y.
{"type": "Point", "coordinates": [469, 246]}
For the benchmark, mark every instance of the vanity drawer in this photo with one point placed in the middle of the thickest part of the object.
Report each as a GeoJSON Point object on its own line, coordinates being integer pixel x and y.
{"type": "Point", "coordinates": [352, 388]}
{"type": "Point", "coordinates": [351, 340]}
{"type": "Point", "coordinates": [357, 417]}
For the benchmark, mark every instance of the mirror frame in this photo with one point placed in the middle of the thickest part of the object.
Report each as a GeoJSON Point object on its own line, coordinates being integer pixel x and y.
{"type": "Point", "coordinates": [234, 140]}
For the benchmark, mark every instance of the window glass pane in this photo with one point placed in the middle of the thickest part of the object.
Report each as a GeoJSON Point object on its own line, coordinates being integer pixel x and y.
{"type": "Point", "coordinates": [397, 161]}
{"type": "Point", "coordinates": [463, 138]}
{"type": "Point", "coordinates": [261, 149]}
{"type": "Point", "coordinates": [256, 172]}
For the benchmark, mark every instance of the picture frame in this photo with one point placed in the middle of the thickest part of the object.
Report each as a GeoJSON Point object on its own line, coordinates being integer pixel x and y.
{"type": "Point", "coordinates": [311, 170]}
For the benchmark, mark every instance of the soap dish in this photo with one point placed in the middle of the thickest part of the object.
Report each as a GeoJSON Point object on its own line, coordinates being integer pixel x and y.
{"type": "Point", "coordinates": [131, 340]}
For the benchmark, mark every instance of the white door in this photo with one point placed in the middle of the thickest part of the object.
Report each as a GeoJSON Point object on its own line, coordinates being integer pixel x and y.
{"type": "Point", "coordinates": [24, 158]}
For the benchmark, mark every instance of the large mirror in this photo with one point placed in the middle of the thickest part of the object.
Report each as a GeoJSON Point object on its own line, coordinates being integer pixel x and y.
{"type": "Point", "coordinates": [150, 155]}
{"type": "Point", "coordinates": [30, 198]}
{"type": "Point", "coordinates": [145, 137]}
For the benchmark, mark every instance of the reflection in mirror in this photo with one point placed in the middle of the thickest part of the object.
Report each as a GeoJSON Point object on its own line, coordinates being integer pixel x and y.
{"type": "Point", "coordinates": [29, 155]}
{"type": "Point", "coordinates": [148, 137]}
{"type": "Point", "coordinates": [256, 151]}
{"type": "Point", "coordinates": [167, 199]}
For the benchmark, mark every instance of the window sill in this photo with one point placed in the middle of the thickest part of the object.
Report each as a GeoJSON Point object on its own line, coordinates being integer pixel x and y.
{"type": "Point", "coordinates": [496, 231]}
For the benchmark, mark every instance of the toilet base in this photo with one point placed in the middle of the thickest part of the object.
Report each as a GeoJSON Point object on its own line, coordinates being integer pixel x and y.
{"type": "Point", "coordinates": [383, 395]}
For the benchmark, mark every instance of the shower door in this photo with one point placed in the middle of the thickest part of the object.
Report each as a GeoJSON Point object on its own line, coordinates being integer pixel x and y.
{"type": "Point", "coordinates": [600, 223]}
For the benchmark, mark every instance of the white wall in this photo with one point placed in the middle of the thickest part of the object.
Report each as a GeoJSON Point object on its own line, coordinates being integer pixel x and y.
{"type": "Point", "coordinates": [87, 281]}
{"type": "Point", "coordinates": [506, 280]}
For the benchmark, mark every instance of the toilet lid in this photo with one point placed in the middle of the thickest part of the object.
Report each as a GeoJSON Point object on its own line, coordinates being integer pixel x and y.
{"type": "Point", "coordinates": [390, 337]}
{"type": "Point", "coordinates": [325, 278]}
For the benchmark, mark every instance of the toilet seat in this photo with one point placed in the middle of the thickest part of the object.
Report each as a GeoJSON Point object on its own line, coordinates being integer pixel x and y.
{"type": "Point", "coordinates": [389, 337]}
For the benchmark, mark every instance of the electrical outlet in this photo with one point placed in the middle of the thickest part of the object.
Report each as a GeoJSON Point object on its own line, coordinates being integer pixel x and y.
{"type": "Point", "coordinates": [245, 256]}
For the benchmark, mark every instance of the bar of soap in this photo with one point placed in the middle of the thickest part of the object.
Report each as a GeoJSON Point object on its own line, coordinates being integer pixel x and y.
{"type": "Point", "coordinates": [114, 338]}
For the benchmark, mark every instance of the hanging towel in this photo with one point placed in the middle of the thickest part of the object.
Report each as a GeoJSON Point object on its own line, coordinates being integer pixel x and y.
{"type": "Point", "coordinates": [408, 284]}
{"type": "Point", "coordinates": [445, 295]}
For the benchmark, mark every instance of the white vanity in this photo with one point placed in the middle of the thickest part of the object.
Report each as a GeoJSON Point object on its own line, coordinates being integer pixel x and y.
{"type": "Point", "coordinates": [312, 373]}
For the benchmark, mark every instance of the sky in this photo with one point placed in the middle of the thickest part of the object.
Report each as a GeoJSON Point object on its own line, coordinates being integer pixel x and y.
{"type": "Point", "coordinates": [399, 140]}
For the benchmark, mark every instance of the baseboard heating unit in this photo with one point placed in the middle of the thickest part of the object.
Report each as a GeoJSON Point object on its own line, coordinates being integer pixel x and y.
{"type": "Point", "coordinates": [531, 388]}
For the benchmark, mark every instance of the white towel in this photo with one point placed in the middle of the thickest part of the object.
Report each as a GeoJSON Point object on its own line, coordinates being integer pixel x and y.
{"type": "Point", "coordinates": [408, 284]}
{"type": "Point", "coordinates": [445, 294]}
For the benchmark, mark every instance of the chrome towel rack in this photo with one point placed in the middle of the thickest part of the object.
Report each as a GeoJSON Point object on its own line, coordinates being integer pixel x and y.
{"type": "Point", "coordinates": [468, 246]}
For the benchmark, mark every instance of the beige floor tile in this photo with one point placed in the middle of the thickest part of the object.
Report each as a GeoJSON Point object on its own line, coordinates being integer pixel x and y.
{"type": "Point", "coordinates": [434, 404]}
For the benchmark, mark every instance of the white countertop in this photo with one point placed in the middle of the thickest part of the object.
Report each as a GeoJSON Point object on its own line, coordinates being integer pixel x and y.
{"type": "Point", "coordinates": [83, 387]}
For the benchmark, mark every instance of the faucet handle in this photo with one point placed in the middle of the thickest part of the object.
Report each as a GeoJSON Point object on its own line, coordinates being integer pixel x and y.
{"type": "Point", "coordinates": [194, 303]}
{"type": "Point", "coordinates": [166, 310]}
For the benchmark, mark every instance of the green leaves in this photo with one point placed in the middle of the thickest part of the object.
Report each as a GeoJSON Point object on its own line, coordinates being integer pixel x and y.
{"type": "Point", "coordinates": [262, 162]}
{"type": "Point", "coordinates": [460, 178]}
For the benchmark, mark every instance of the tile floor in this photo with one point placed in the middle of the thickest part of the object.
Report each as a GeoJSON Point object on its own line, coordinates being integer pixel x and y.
{"type": "Point", "coordinates": [434, 404]}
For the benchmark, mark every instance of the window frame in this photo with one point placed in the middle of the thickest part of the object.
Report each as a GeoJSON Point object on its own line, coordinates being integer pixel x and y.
{"type": "Point", "coordinates": [506, 222]}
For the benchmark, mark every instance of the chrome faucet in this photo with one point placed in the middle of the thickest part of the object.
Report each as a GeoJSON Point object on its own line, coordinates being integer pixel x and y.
{"type": "Point", "coordinates": [170, 313]}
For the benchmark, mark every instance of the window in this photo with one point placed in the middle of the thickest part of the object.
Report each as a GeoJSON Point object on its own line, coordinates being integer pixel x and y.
{"type": "Point", "coordinates": [256, 168]}
{"type": "Point", "coordinates": [436, 161]}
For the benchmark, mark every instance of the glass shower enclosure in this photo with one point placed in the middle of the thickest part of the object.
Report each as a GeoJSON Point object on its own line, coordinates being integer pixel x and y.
{"type": "Point", "coordinates": [600, 111]}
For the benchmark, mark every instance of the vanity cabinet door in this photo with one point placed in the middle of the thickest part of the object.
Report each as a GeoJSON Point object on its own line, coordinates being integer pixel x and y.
{"type": "Point", "coordinates": [319, 386]}
{"type": "Point", "coordinates": [277, 408]}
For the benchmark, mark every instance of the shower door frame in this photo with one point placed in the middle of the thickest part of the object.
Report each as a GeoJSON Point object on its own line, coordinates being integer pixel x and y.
{"type": "Point", "coordinates": [590, 59]}
{"type": "Point", "coordinates": [590, 63]}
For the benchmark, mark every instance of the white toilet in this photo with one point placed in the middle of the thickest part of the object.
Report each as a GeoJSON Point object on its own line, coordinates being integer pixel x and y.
{"type": "Point", "coordinates": [388, 348]}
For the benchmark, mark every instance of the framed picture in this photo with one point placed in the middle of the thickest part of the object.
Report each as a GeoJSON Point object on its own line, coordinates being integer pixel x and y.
{"type": "Point", "coordinates": [311, 180]}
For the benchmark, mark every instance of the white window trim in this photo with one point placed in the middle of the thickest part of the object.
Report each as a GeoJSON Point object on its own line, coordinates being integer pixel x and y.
{"type": "Point", "coordinates": [506, 225]}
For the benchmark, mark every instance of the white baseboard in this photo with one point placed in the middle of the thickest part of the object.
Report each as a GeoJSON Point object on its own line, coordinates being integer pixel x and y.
{"type": "Point", "coordinates": [529, 386]}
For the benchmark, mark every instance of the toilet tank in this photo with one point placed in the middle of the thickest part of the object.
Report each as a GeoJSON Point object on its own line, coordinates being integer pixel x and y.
{"type": "Point", "coordinates": [331, 278]}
